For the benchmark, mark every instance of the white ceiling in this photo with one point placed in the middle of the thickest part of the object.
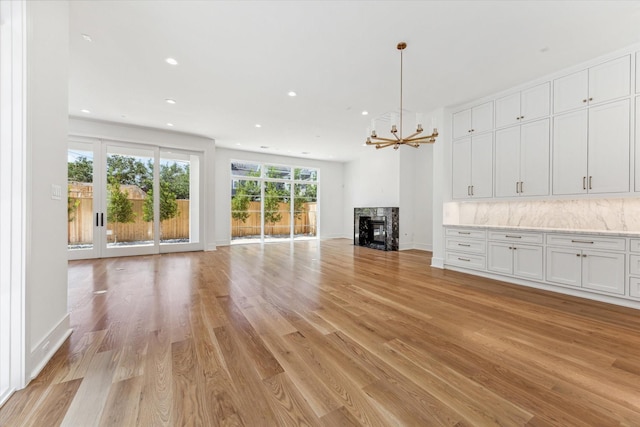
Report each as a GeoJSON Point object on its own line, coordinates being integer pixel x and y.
{"type": "Point", "coordinates": [238, 59]}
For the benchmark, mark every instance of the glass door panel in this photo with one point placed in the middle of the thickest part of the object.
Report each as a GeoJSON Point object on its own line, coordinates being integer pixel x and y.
{"type": "Point", "coordinates": [277, 211]}
{"type": "Point", "coordinates": [81, 209]}
{"type": "Point", "coordinates": [179, 198]}
{"type": "Point", "coordinates": [246, 208]}
{"type": "Point", "coordinates": [129, 224]}
{"type": "Point", "coordinates": [305, 211]}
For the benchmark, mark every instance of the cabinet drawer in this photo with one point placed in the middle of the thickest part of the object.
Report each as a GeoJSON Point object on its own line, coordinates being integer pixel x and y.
{"type": "Point", "coordinates": [587, 242]}
{"type": "Point", "coordinates": [516, 237]}
{"type": "Point", "coordinates": [634, 264]}
{"type": "Point", "coordinates": [634, 287]}
{"type": "Point", "coordinates": [467, 232]}
{"type": "Point", "coordinates": [467, 245]}
{"type": "Point", "coordinates": [634, 245]}
{"type": "Point", "coordinates": [477, 262]}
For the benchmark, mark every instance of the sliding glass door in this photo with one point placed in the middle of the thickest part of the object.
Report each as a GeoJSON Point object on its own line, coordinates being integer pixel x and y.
{"type": "Point", "coordinates": [113, 208]}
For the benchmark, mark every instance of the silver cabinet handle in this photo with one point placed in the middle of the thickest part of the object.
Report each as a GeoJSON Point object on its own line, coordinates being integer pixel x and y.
{"type": "Point", "coordinates": [472, 190]}
{"type": "Point", "coordinates": [521, 187]}
{"type": "Point", "coordinates": [464, 232]}
{"type": "Point", "coordinates": [512, 237]}
{"type": "Point", "coordinates": [582, 241]}
{"type": "Point", "coordinates": [464, 245]}
{"type": "Point", "coordinates": [517, 187]}
{"type": "Point", "coordinates": [584, 182]}
{"type": "Point", "coordinates": [590, 187]}
{"type": "Point", "coordinates": [464, 259]}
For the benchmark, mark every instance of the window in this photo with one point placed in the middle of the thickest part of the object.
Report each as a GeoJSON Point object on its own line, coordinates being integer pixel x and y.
{"type": "Point", "coordinates": [273, 202]}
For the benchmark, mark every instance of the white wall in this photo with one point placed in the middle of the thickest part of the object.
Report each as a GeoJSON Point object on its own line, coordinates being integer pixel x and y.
{"type": "Point", "coordinates": [373, 180]}
{"type": "Point", "coordinates": [330, 192]}
{"type": "Point", "coordinates": [80, 127]}
{"type": "Point", "coordinates": [441, 182]}
{"type": "Point", "coordinates": [422, 192]}
{"type": "Point", "coordinates": [47, 322]}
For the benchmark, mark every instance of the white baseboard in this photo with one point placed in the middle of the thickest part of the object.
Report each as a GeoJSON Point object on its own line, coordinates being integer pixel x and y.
{"type": "Point", "coordinates": [211, 247]}
{"type": "Point", "coordinates": [423, 247]}
{"type": "Point", "coordinates": [223, 243]}
{"type": "Point", "coordinates": [46, 348]}
{"type": "Point", "coordinates": [437, 262]}
{"type": "Point", "coordinates": [335, 236]}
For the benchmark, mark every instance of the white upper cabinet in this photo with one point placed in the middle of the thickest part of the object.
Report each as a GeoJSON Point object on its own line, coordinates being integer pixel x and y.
{"type": "Point", "coordinates": [473, 167]}
{"type": "Point", "coordinates": [522, 160]}
{"type": "Point", "coordinates": [609, 143]}
{"type": "Point", "coordinates": [637, 180]}
{"type": "Point", "coordinates": [526, 105]}
{"type": "Point", "coordinates": [600, 83]}
{"type": "Point", "coordinates": [637, 72]}
{"type": "Point", "coordinates": [570, 153]}
{"type": "Point", "coordinates": [474, 120]}
{"type": "Point", "coordinates": [591, 150]}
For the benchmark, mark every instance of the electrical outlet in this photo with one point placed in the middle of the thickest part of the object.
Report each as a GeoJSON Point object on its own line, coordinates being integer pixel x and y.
{"type": "Point", "coordinates": [56, 192]}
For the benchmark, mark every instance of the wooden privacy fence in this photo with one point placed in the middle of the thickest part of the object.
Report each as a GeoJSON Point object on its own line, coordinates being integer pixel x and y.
{"type": "Point", "coordinates": [305, 224]}
{"type": "Point", "coordinates": [80, 230]}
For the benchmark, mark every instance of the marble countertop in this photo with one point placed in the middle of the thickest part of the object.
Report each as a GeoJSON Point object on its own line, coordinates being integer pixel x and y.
{"type": "Point", "coordinates": [612, 233]}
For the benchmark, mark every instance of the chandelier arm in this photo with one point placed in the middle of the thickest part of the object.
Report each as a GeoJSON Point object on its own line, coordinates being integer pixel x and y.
{"type": "Point", "coordinates": [413, 135]}
{"type": "Point", "coordinates": [373, 140]}
{"type": "Point", "coordinates": [386, 144]}
{"type": "Point", "coordinates": [423, 140]}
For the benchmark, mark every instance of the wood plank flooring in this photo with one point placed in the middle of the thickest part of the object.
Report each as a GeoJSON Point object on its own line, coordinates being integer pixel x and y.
{"type": "Point", "coordinates": [327, 334]}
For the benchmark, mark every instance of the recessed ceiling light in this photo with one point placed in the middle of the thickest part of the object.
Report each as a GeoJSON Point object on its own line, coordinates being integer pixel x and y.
{"type": "Point", "coordinates": [170, 124]}
{"type": "Point", "coordinates": [238, 143]}
{"type": "Point", "coordinates": [258, 125]}
{"type": "Point", "coordinates": [84, 110]}
{"type": "Point", "coordinates": [170, 101]}
{"type": "Point", "coordinates": [365, 113]}
{"type": "Point", "coordinates": [292, 93]}
{"type": "Point", "coordinates": [171, 61]}
{"type": "Point", "coordinates": [87, 37]}
{"type": "Point", "coordinates": [264, 147]}
{"type": "Point", "coordinates": [306, 152]}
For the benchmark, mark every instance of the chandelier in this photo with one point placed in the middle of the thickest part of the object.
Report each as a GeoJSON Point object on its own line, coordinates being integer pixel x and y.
{"type": "Point", "coordinates": [415, 139]}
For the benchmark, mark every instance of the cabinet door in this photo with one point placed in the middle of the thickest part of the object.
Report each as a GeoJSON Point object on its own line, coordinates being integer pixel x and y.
{"type": "Point", "coordinates": [482, 165]}
{"type": "Point", "coordinates": [482, 117]}
{"type": "Point", "coordinates": [603, 271]}
{"type": "Point", "coordinates": [461, 168]}
{"type": "Point", "coordinates": [610, 80]}
{"type": "Point", "coordinates": [461, 123]}
{"type": "Point", "coordinates": [570, 91]}
{"type": "Point", "coordinates": [637, 142]}
{"type": "Point", "coordinates": [570, 153]}
{"type": "Point", "coordinates": [534, 102]}
{"type": "Point", "coordinates": [534, 158]}
{"type": "Point", "coordinates": [508, 110]}
{"type": "Point", "coordinates": [500, 258]}
{"type": "Point", "coordinates": [527, 262]}
{"type": "Point", "coordinates": [507, 173]}
{"type": "Point", "coordinates": [564, 266]}
{"type": "Point", "coordinates": [609, 137]}
{"type": "Point", "coordinates": [637, 72]}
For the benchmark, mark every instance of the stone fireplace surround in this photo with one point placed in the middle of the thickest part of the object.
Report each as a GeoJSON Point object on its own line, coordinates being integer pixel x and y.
{"type": "Point", "coordinates": [365, 219]}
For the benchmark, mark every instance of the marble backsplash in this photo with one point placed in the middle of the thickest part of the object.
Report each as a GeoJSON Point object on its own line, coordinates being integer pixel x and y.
{"type": "Point", "coordinates": [587, 214]}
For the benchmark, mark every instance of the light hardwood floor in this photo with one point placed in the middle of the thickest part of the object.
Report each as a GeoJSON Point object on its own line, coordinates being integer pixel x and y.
{"type": "Point", "coordinates": [327, 334]}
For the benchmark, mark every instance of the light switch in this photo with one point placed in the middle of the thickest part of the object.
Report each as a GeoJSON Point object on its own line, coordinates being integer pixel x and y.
{"type": "Point", "coordinates": [56, 192]}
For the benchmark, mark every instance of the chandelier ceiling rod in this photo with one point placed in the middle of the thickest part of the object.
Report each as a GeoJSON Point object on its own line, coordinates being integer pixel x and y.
{"type": "Point", "coordinates": [413, 140]}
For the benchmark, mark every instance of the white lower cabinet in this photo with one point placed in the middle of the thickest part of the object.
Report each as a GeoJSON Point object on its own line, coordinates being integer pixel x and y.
{"type": "Point", "coordinates": [594, 263]}
{"type": "Point", "coordinates": [594, 270]}
{"type": "Point", "coordinates": [515, 259]}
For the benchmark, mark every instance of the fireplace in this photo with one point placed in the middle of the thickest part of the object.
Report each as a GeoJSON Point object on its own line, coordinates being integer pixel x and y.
{"type": "Point", "coordinates": [377, 228]}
